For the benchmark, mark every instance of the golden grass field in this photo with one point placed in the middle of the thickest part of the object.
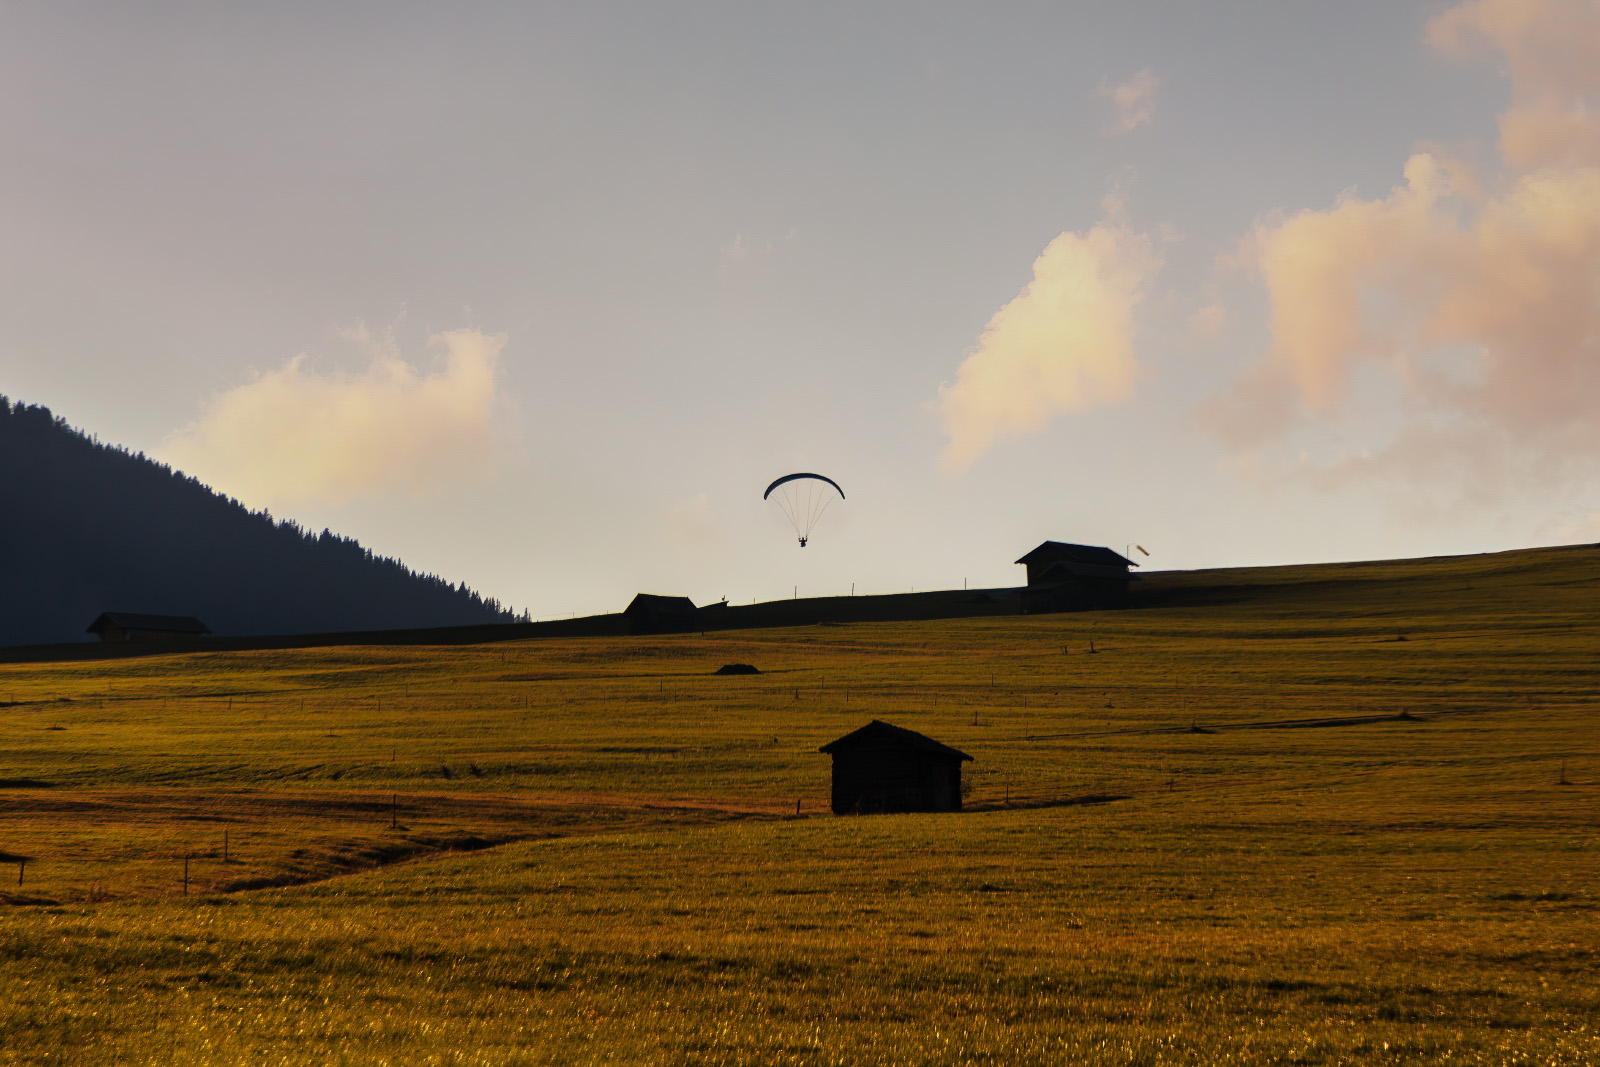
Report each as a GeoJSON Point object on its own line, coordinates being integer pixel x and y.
{"type": "Point", "coordinates": [587, 851]}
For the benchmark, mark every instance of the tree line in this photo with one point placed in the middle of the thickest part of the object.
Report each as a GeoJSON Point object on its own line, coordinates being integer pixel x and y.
{"type": "Point", "coordinates": [87, 527]}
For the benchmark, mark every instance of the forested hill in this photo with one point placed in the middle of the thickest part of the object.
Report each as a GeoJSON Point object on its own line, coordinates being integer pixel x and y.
{"type": "Point", "coordinates": [86, 528]}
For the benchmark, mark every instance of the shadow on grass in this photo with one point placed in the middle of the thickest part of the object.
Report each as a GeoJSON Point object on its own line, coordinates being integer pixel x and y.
{"type": "Point", "coordinates": [1017, 803]}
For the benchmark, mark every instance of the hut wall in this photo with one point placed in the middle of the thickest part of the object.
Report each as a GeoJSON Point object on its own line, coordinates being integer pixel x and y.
{"type": "Point", "coordinates": [893, 778]}
{"type": "Point", "coordinates": [112, 634]}
{"type": "Point", "coordinates": [1078, 594]}
{"type": "Point", "coordinates": [136, 634]}
{"type": "Point", "coordinates": [662, 622]}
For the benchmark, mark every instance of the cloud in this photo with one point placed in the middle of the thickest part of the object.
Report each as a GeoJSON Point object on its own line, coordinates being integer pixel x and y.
{"type": "Point", "coordinates": [1064, 344]}
{"type": "Point", "coordinates": [746, 255]}
{"type": "Point", "coordinates": [739, 252]}
{"type": "Point", "coordinates": [1550, 48]}
{"type": "Point", "coordinates": [294, 435]}
{"type": "Point", "coordinates": [691, 523]}
{"type": "Point", "coordinates": [1581, 528]}
{"type": "Point", "coordinates": [1476, 299]}
{"type": "Point", "coordinates": [1209, 323]}
{"type": "Point", "coordinates": [1134, 101]}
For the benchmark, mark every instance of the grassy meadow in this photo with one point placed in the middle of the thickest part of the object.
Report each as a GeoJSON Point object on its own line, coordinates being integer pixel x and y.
{"type": "Point", "coordinates": [1314, 815]}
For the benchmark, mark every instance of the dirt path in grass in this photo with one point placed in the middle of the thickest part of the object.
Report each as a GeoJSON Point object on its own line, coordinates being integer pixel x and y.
{"type": "Point", "coordinates": [100, 844]}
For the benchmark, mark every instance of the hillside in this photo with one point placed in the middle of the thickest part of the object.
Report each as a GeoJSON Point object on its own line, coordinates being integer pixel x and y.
{"type": "Point", "coordinates": [1255, 827]}
{"type": "Point", "coordinates": [86, 528]}
{"type": "Point", "coordinates": [1379, 594]}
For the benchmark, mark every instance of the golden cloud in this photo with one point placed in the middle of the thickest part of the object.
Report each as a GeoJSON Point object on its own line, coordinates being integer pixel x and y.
{"type": "Point", "coordinates": [1063, 344]}
{"type": "Point", "coordinates": [295, 435]}
{"type": "Point", "coordinates": [1479, 298]}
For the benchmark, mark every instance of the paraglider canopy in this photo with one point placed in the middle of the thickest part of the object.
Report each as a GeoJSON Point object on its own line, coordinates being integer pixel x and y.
{"type": "Point", "coordinates": [803, 498]}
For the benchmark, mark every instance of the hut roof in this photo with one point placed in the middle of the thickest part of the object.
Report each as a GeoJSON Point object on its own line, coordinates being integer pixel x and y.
{"type": "Point", "coordinates": [878, 732]}
{"type": "Point", "coordinates": [650, 602]}
{"type": "Point", "coordinates": [128, 620]}
{"type": "Point", "coordinates": [1093, 555]}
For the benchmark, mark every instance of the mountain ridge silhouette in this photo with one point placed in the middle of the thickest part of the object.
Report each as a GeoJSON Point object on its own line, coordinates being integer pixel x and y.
{"type": "Point", "coordinates": [87, 527]}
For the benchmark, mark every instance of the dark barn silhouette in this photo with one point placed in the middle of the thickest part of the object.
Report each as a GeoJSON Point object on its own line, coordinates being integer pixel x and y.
{"type": "Point", "coordinates": [651, 614]}
{"type": "Point", "coordinates": [881, 768]}
{"type": "Point", "coordinates": [115, 626]}
{"type": "Point", "coordinates": [1065, 577]}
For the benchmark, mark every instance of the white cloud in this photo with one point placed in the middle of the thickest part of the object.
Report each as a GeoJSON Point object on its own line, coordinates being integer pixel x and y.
{"type": "Point", "coordinates": [1063, 344]}
{"type": "Point", "coordinates": [295, 435]}
{"type": "Point", "coordinates": [1133, 102]}
{"type": "Point", "coordinates": [691, 523]}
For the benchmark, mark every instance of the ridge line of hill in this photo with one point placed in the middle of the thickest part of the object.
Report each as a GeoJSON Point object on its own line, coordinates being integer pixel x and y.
{"type": "Point", "coordinates": [1195, 588]}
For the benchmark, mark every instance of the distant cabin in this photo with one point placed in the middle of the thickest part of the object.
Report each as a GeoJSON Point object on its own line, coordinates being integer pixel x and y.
{"type": "Point", "coordinates": [651, 614]}
{"type": "Point", "coordinates": [1066, 577]}
{"type": "Point", "coordinates": [117, 626]}
{"type": "Point", "coordinates": [882, 768]}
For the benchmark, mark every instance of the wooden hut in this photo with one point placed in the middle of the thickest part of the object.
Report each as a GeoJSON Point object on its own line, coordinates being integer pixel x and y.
{"type": "Point", "coordinates": [648, 613]}
{"type": "Point", "coordinates": [888, 768]}
{"type": "Point", "coordinates": [1066, 577]}
{"type": "Point", "coordinates": [118, 626]}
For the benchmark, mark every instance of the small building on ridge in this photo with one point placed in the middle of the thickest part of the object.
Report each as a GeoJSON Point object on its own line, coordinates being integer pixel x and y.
{"type": "Point", "coordinates": [118, 626]}
{"type": "Point", "coordinates": [648, 613]}
{"type": "Point", "coordinates": [1067, 577]}
{"type": "Point", "coordinates": [885, 768]}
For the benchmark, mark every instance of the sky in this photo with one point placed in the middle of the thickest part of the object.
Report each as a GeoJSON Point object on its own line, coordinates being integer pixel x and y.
{"type": "Point", "coordinates": [541, 297]}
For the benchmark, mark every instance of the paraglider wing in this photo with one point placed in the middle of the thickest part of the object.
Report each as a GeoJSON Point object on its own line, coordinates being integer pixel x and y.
{"type": "Point", "coordinates": [792, 477]}
{"type": "Point", "coordinates": [803, 498]}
